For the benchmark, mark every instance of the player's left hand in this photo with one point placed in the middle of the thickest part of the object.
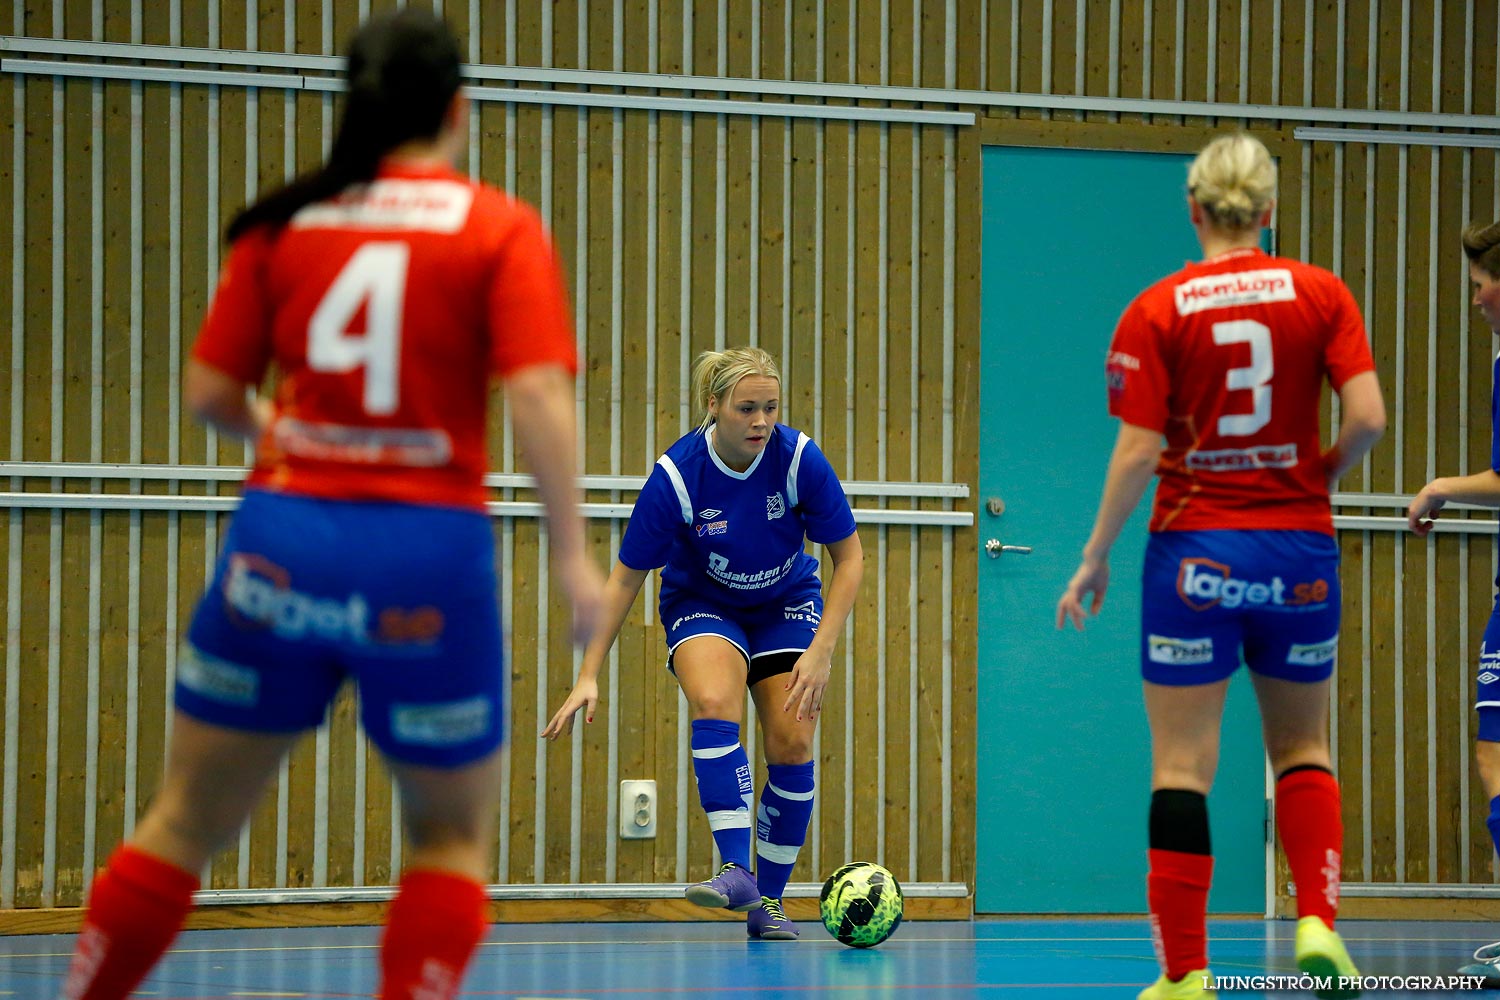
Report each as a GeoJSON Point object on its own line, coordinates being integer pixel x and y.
{"type": "Point", "coordinates": [1092, 578]}
{"type": "Point", "coordinates": [806, 683]}
{"type": "Point", "coordinates": [585, 697]}
{"type": "Point", "coordinates": [1424, 509]}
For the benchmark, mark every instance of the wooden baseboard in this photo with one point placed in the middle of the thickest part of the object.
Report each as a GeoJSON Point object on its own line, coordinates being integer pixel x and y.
{"type": "Point", "coordinates": [505, 911]}
{"type": "Point", "coordinates": [1405, 908]}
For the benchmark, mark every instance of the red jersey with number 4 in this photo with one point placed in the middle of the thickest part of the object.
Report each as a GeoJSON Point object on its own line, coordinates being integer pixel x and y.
{"type": "Point", "coordinates": [387, 310]}
{"type": "Point", "coordinates": [1227, 359]}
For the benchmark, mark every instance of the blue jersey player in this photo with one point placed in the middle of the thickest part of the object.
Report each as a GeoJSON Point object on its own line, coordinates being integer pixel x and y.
{"type": "Point", "coordinates": [725, 514]}
{"type": "Point", "coordinates": [1482, 247]}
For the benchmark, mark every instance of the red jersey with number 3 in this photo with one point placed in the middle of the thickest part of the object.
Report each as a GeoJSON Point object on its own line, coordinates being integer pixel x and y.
{"type": "Point", "coordinates": [386, 311]}
{"type": "Point", "coordinates": [1227, 359]}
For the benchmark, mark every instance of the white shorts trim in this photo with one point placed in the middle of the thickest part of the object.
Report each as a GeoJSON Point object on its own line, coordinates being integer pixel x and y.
{"type": "Point", "coordinates": [698, 635]}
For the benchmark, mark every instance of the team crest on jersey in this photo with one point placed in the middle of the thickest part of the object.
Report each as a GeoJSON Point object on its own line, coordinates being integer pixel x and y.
{"type": "Point", "coordinates": [1116, 371]}
{"type": "Point", "coordinates": [775, 506]}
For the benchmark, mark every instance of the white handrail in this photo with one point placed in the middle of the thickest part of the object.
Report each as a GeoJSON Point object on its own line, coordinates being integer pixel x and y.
{"type": "Point", "coordinates": [497, 508]}
{"type": "Point", "coordinates": [792, 88]}
{"type": "Point", "coordinates": [499, 480]}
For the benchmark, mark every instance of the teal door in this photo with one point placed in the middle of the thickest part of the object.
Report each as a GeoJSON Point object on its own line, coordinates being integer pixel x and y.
{"type": "Point", "coordinates": [1069, 237]}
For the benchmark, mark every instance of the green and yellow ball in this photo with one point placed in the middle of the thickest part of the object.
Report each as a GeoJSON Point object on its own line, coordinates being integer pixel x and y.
{"type": "Point", "coordinates": [861, 904]}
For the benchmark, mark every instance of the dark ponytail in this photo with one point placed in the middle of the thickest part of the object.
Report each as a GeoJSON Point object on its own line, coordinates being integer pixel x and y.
{"type": "Point", "coordinates": [403, 70]}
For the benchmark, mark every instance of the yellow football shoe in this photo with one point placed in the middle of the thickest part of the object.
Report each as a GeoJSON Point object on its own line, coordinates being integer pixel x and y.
{"type": "Point", "coordinates": [1321, 953]}
{"type": "Point", "coordinates": [1193, 986]}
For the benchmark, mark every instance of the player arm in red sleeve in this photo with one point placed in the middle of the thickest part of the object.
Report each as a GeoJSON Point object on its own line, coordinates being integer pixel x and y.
{"type": "Point", "coordinates": [220, 399]}
{"type": "Point", "coordinates": [541, 408]}
{"type": "Point", "coordinates": [1136, 372]}
{"type": "Point", "coordinates": [532, 348]}
{"type": "Point", "coordinates": [1361, 423]}
{"type": "Point", "coordinates": [234, 346]}
{"type": "Point", "coordinates": [1131, 466]}
{"type": "Point", "coordinates": [1138, 391]}
{"type": "Point", "coordinates": [529, 317]}
{"type": "Point", "coordinates": [1351, 369]}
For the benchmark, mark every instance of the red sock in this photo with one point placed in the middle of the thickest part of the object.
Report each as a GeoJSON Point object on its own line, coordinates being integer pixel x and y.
{"type": "Point", "coordinates": [136, 907]}
{"type": "Point", "coordinates": [1312, 834]}
{"type": "Point", "coordinates": [433, 926]}
{"type": "Point", "coordinates": [1177, 891]}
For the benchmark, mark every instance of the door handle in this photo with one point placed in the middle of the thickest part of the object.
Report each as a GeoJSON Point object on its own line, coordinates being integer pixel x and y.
{"type": "Point", "coordinates": [994, 548]}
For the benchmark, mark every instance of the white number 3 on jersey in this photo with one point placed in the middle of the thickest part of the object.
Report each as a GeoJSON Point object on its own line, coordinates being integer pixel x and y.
{"type": "Point", "coordinates": [374, 278]}
{"type": "Point", "coordinates": [1256, 376]}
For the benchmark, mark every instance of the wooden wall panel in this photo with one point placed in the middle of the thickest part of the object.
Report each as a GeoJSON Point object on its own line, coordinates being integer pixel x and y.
{"type": "Point", "coordinates": [683, 233]}
{"type": "Point", "coordinates": [1416, 732]}
{"type": "Point", "coordinates": [932, 722]}
{"type": "Point", "coordinates": [898, 569]}
{"type": "Point", "coordinates": [12, 92]}
{"type": "Point", "coordinates": [963, 567]}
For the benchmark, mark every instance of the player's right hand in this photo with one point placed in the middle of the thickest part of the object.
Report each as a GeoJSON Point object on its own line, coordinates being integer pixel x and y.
{"type": "Point", "coordinates": [1424, 508]}
{"type": "Point", "coordinates": [1091, 580]}
{"type": "Point", "coordinates": [585, 695]}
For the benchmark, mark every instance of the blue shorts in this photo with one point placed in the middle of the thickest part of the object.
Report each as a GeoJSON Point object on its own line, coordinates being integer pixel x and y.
{"type": "Point", "coordinates": [399, 597]}
{"type": "Point", "coordinates": [1210, 596]}
{"type": "Point", "coordinates": [1488, 699]}
{"type": "Point", "coordinates": [759, 632]}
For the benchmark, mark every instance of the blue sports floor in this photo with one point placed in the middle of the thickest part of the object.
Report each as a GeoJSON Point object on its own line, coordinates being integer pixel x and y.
{"type": "Point", "coordinates": [987, 958]}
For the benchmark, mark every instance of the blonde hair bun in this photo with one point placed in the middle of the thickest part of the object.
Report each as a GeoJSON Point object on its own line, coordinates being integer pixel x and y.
{"type": "Point", "coordinates": [1234, 180]}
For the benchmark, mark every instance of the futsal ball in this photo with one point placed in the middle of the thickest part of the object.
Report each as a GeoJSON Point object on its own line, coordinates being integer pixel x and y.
{"type": "Point", "coordinates": [861, 904]}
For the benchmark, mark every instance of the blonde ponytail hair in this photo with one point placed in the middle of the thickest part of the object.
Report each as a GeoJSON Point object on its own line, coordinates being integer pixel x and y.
{"type": "Point", "coordinates": [716, 373]}
{"type": "Point", "coordinates": [1482, 246]}
{"type": "Point", "coordinates": [1234, 180]}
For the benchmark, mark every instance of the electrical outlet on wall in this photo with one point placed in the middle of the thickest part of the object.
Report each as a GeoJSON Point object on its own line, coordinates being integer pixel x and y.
{"type": "Point", "coordinates": [637, 809]}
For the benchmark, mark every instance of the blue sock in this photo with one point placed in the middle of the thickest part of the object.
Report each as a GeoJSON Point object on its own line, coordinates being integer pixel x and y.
{"type": "Point", "coordinates": [786, 805]}
{"type": "Point", "coordinates": [1493, 822]}
{"type": "Point", "coordinates": [724, 786]}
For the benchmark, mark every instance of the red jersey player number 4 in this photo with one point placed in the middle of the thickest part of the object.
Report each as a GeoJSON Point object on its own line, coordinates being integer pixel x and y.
{"type": "Point", "coordinates": [378, 307]}
{"type": "Point", "coordinates": [386, 289]}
